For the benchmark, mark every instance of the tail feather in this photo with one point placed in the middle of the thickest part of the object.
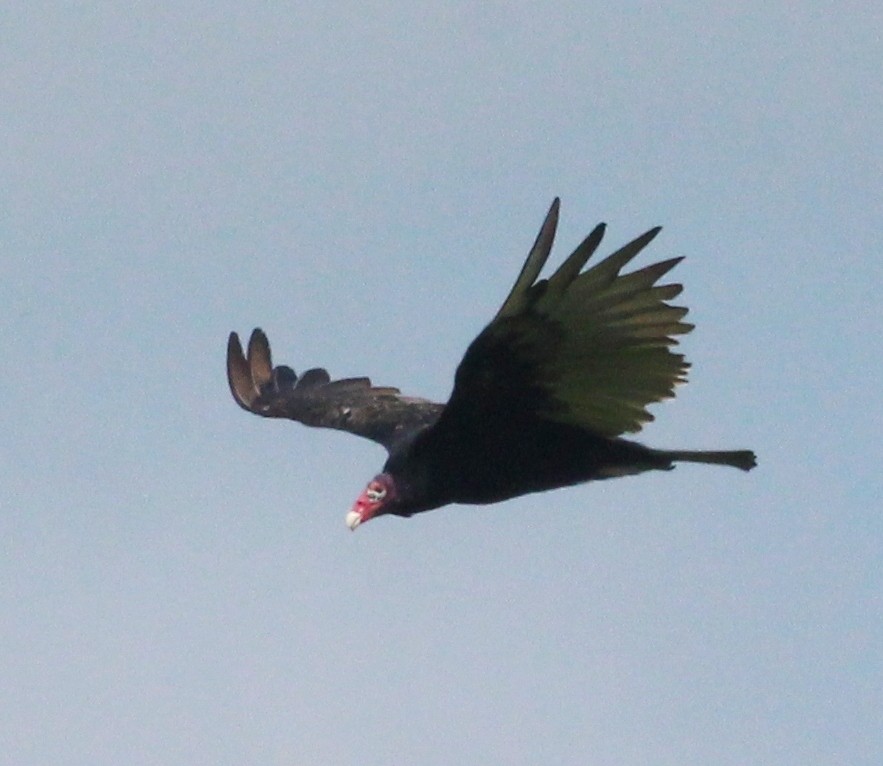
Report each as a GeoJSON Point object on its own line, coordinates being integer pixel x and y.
{"type": "Point", "coordinates": [743, 459]}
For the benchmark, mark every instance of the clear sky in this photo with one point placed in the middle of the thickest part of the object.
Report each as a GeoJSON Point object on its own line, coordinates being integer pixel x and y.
{"type": "Point", "coordinates": [177, 585]}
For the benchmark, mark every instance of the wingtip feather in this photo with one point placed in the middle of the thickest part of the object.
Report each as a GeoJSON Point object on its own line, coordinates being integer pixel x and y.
{"type": "Point", "coordinates": [260, 360]}
{"type": "Point", "coordinates": [570, 269]}
{"type": "Point", "coordinates": [238, 374]}
{"type": "Point", "coordinates": [534, 263]}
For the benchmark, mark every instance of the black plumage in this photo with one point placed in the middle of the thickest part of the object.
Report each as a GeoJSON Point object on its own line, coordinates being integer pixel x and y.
{"type": "Point", "coordinates": [541, 398]}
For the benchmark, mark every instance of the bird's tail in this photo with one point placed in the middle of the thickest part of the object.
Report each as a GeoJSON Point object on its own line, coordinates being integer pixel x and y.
{"type": "Point", "coordinates": [744, 459]}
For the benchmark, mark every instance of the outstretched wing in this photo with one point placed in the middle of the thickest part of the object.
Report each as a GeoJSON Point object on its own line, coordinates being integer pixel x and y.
{"type": "Point", "coordinates": [586, 348]}
{"type": "Point", "coordinates": [381, 414]}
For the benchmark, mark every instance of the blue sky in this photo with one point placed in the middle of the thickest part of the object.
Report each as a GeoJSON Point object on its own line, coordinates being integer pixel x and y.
{"type": "Point", "coordinates": [176, 582]}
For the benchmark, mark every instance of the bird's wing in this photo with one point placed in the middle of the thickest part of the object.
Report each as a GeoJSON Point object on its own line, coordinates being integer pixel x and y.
{"type": "Point", "coordinates": [586, 348]}
{"type": "Point", "coordinates": [381, 414]}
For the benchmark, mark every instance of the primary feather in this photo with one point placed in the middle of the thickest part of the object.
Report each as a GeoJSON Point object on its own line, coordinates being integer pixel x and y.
{"type": "Point", "coordinates": [599, 341]}
{"type": "Point", "coordinates": [379, 413]}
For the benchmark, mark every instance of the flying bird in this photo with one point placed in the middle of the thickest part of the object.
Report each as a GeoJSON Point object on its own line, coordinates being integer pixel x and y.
{"type": "Point", "coordinates": [541, 398]}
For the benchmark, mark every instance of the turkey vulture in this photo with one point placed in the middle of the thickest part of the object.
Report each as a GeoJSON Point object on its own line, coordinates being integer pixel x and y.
{"type": "Point", "coordinates": [540, 399]}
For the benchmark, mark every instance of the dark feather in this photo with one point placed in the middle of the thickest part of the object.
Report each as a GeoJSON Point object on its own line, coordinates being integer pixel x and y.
{"type": "Point", "coordinates": [589, 349]}
{"type": "Point", "coordinates": [378, 413]}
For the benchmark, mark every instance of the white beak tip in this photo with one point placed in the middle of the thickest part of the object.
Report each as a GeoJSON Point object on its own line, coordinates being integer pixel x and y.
{"type": "Point", "coordinates": [353, 520]}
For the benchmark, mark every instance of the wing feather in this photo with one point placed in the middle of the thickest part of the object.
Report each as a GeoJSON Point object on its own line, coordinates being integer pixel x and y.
{"type": "Point", "coordinates": [536, 259]}
{"type": "Point", "coordinates": [260, 362]}
{"type": "Point", "coordinates": [590, 348]}
{"type": "Point", "coordinates": [379, 413]}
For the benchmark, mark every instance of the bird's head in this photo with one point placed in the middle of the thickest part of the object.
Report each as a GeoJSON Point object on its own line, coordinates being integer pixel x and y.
{"type": "Point", "coordinates": [377, 498]}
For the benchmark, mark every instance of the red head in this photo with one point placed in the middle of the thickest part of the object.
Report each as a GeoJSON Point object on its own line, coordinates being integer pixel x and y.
{"type": "Point", "coordinates": [373, 500]}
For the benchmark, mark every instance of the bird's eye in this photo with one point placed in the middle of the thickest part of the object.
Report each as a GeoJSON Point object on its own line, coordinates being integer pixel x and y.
{"type": "Point", "coordinates": [375, 493]}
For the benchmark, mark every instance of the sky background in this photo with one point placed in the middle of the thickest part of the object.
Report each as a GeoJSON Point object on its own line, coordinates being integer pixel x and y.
{"type": "Point", "coordinates": [177, 585]}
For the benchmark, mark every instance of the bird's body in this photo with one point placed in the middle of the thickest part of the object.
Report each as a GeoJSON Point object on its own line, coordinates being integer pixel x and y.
{"type": "Point", "coordinates": [540, 400]}
{"type": "Point", "coordinates": [491, 470]}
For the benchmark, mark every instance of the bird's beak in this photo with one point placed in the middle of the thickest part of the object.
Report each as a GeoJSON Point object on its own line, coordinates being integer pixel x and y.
{"type": "Point", "coordinates": [368, 505]}
{"type": "Point", "coordinates": [362, 510]}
